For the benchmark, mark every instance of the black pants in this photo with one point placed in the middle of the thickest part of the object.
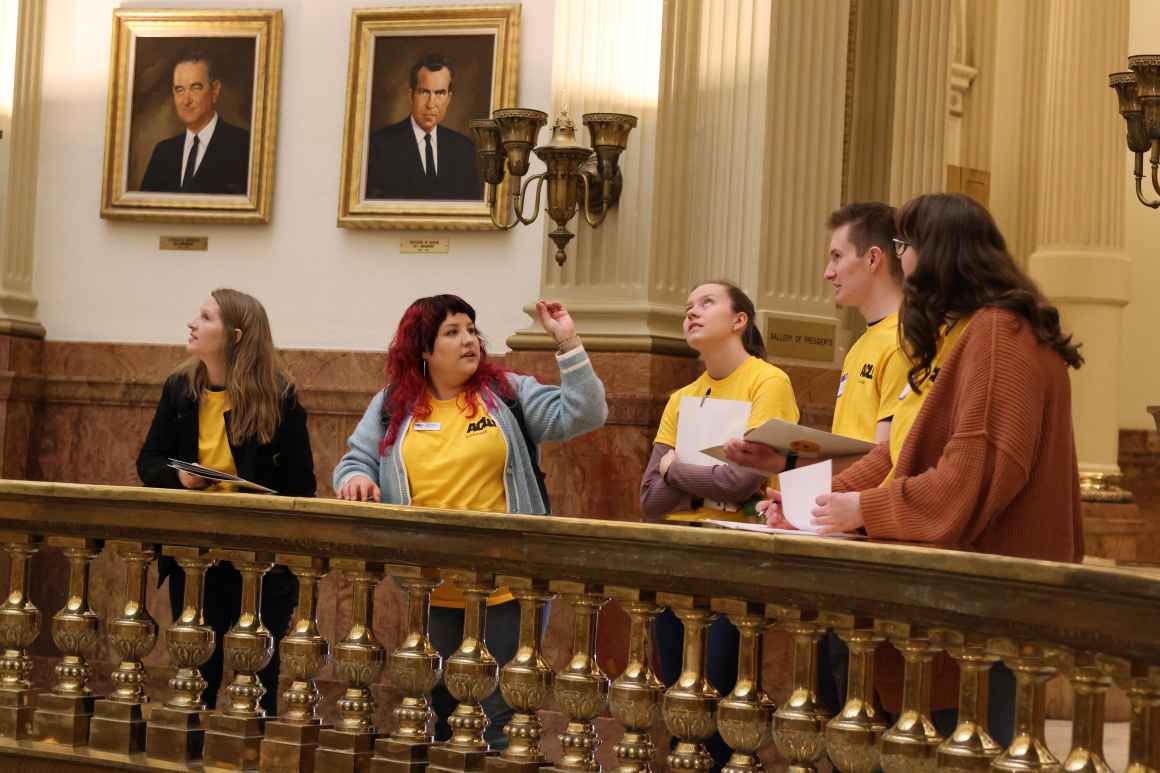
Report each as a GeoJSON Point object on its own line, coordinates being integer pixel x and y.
{"type": "Point", "coordinates": [223, 607]}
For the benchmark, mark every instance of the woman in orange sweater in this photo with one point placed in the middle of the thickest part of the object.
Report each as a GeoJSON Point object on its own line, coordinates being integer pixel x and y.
{"type": "Point", "coordinates": [981, 454]}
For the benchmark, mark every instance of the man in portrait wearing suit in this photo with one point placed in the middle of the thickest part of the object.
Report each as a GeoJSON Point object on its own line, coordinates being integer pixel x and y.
{"type": "Point", "coordinates": [210, 156]}
{"type": "Point", "coordinates": [417, 158]}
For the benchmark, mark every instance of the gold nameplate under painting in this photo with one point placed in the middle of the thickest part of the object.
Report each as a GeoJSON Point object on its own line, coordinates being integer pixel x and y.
{"type": "Point", "coordinates": [194, 243]}
{"type": "Point", "coordinates": [800, 340]}
{"type": "Point", "coordinates": [425, 246]}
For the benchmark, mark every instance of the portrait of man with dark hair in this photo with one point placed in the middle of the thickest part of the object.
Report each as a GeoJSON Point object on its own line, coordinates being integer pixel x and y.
{"type": "Point", "coordinates": [419, 157]}
{"type": "Point", "coordinates": [210, 156]}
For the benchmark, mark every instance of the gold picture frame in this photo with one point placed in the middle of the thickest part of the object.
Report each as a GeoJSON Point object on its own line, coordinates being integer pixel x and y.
{"type": "Point", "coordinates": [147, 149]}
{"type": "Point", "coordinates": [384, 182]}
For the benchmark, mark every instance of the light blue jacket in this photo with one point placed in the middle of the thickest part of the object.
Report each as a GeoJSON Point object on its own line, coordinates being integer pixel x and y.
{"type": "Point", "coordinates": [551, 413]}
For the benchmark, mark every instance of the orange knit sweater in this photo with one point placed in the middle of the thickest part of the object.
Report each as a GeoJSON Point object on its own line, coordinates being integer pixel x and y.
{"type": "Point", "coordinates": [989, 466]}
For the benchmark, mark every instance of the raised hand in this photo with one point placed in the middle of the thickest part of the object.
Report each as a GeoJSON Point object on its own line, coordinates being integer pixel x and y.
{"type": "Point", "coordinates": [557, 322]}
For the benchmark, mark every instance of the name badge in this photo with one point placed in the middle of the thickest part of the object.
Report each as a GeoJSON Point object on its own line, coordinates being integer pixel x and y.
{"type": "Point", "coordinates": [427, 426]}
{"type": "Point", "coordinates": [841, 385]}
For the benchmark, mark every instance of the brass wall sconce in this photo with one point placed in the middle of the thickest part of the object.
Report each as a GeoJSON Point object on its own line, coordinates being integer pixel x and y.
{"type": "Point", "coordinates": [1139, 95]}
{"type": "Point", "coordinates": [577, 175]}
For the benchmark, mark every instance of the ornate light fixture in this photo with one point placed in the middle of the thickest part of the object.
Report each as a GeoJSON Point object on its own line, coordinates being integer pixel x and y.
{"type": "Point", "coordinates": [577, 175]}
{"type": "Point", "coordinates": [1139, 94]}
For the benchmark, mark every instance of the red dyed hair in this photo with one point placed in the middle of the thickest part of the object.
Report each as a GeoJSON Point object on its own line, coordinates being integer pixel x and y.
{"type": "Point", "coordinates": [407, 378]}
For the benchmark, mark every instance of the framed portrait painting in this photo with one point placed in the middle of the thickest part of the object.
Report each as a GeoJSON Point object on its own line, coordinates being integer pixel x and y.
{"type": "Point", "coordinates": [192, 116]}
{"type": "Point", "coordinates": [417, 76]}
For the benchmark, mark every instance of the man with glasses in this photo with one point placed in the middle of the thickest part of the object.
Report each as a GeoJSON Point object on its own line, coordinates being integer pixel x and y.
{"type": "Point", "coordinates": [417, 158]}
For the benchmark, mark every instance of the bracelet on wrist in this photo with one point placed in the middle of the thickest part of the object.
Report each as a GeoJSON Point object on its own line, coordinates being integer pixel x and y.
{"type": "Point", "coordinates": [568, 344]}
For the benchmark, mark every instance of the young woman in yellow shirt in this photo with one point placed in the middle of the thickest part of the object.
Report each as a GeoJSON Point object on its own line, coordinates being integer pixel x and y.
{"type": "Point", "coordinates": [230, 407]}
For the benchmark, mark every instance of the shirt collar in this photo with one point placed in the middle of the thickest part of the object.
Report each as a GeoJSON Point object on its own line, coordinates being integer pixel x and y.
{"type": "Point", "coordinates": [206, 132]}
{"type": "Point", "coordinates": [420, 133]}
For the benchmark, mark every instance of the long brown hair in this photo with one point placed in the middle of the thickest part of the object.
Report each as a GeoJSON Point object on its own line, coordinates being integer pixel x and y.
{"type": "Point", "coordinates": [255, 380]}
{"type": "Point", "coordinates": [963, 266]}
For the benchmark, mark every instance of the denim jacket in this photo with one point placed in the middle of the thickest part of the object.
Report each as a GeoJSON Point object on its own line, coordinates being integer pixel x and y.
{"type": "Point", "coordinates": [551, 414]}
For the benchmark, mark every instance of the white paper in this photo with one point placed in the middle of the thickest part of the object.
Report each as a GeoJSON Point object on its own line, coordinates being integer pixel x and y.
{"type": "Point", "coordinates": [709, 424]}
{"type": "Point", "coordinates": [763, 529]}
{"type": "Point", "coordinates": [800, 489]}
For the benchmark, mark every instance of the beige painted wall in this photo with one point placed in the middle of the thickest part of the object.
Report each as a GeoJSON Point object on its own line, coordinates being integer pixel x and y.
{"type": "Point", "coordinates": [1140, 367]}
{"type": "Point", "coordinates": [323, 286]}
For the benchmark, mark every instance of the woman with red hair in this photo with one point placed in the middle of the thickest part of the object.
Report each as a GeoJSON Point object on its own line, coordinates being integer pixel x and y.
{"type": "Point", "coordinates": [452, 429]}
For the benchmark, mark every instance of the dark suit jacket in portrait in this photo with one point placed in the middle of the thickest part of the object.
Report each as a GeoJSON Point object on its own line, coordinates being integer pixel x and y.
{"type": "Point", "coordinates": [395, 171]}
{"type": "Point", "coordinates": [225, 167]}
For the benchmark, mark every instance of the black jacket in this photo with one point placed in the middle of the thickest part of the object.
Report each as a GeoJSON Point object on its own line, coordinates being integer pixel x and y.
{"type": "Point", "coordinates": [225, 167]}
{"type": "Point", "coordinates": [285, 464]}
{"type": "Point", "coordinates": [395, 171]}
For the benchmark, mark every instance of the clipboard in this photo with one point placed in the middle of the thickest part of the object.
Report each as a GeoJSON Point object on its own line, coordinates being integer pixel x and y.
{"type": "Point", "coordinates": [806, 442]}
{"type": "Point", "coordinates": [217, 476]}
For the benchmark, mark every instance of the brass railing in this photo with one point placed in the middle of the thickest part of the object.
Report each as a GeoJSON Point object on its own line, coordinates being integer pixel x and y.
{"type": "Point", "coordinates": [1097, 625]}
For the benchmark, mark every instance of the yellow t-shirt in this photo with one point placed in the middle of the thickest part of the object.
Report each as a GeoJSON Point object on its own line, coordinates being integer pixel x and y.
{"type": "Point", "coordinates": [910, 402]}
{"type": "Point", "coordinates": [764, 385]}
{"type": "Point", "coordinates": [213, 442]}
{"type": "Point", "coordinates": [873, 376]}
{"type": "Point", "coordinates": [457, 462]}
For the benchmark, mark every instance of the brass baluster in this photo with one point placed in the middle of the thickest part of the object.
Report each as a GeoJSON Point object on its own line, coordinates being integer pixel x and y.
{"type": "Point", "coordinates": [854, 736]}
{"type": "Point", "coordinates": [471, 674]}
{"type": "Point", "coordinates": [635, 696]}
{"type": "Point", "coordinates": [970, 748]}
{"type": "Point", "coordinates": [176, 731]}
{"type": "Point", "coordinates": [690, 705]}
{"type": "Point", "coordinates": [19, 627]}
{"type": "Point", "coordinates": [525, 681]}
{"type": "Point", "coordinates": [291, 739]}
{"type": "Point", "coordinates": [415, 670]}
{"type": "Point", "coordinates": [358, 661]}
{"type": "Point", "coordinates": [799, 726]}
{"type": "Point", "coordinates": [1028, 752]}
{"type": "Point", "coordinates": [1142, 683]}
{"type": "Point", "coordinates": [911, 744]}
{"type": "Point", "coordinates": [233, 739]}
{"type": "Point", "coordinates": [63, 715]}
{"type": "Point", "coordinates": [744, 717]}
{"type": "Point", "coordinates": [581, 687]}
{"type": "Point", "coordinates": [118, 725]}
{"type": "Point", "coordinates": [1090, 685]}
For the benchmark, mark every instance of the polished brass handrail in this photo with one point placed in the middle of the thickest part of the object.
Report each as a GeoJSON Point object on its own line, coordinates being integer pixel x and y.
{"type": "Point", "coordinates": [1097, 624]}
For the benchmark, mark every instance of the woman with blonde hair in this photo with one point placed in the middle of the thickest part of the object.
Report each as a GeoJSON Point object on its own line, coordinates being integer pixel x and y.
{"type": "Point", "coordinates": [231, 407]}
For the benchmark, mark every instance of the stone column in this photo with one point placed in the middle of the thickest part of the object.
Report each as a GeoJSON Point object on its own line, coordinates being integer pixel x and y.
{"type": "Point", "coordinates": [1079, 259]}
{"type": "Point", "coordinates": [733, 127]}
{"type": "Point", "coordinates": [18, 219]}
{"type": "Point", "coordinates": [21, 348]}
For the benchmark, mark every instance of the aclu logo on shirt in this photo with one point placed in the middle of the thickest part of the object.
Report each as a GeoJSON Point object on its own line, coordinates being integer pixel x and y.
{"type": "Point", "coordinates": [477, 428]}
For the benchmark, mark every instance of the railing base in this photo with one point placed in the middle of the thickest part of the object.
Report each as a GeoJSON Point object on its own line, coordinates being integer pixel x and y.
{"type": "Point", "coordinates": [445, 760]}
{"type": "Point", "coordinates": [117, 727]}
{"type": "Point", "coordinates": [40, 757]}
{"type": "Point", "coordinates": [175, 735]}
{"type": "Point", "coordinates": [341, 751]}
{"type": "Point", "coordinates": [500, 765]}
{"type": "Point", "coordinates": [233, 743]}
{"type": "Point", "coordinates": [289, 748]}
{"type": "Point", "coordinates": [16, 714]}
{"type": "Point", "coordinates": [392, 756]}
{"type": "Point", "coordinates": [64, 719]}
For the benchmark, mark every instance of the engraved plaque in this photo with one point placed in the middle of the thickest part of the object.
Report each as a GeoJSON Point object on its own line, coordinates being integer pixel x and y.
{"type": "Point", "coordinates": [425, 246]}
{"type": "Point", "coordinates": [196, 243]}
{"type": "Point", "coordinates": [800, 340]}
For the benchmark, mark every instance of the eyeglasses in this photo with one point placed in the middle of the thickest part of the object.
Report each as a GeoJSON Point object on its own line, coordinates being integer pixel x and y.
{"type": "Point", "coordinates": [900, 246]}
